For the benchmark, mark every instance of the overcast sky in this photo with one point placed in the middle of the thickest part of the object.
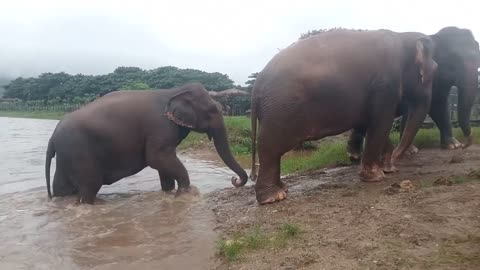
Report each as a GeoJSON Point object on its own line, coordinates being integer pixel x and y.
{"type": "Point", "coordinates": [232, 37]}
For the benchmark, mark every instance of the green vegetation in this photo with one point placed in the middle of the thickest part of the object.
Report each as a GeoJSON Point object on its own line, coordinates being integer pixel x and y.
{"type": "Point", "coordinates": [75, 88]}
{"type": "Point", "coordinates": [256, 238]}
{"type": "Point", "coordinates": [238, 129]}
{"type": "Point", "coordinates": [32, 114]}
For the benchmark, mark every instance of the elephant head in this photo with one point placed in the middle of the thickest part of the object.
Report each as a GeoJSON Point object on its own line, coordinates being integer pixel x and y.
{"type": "Point", "coordinates": [193, 108]}
{"type": "Point", "coordinates": [458, 56]}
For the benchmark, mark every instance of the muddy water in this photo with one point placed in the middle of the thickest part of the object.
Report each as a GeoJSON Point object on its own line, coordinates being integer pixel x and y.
{"type": "Point", "coordinates": [133, 226]}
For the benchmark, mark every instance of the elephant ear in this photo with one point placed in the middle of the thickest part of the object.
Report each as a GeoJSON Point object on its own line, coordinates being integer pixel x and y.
{"type": "Point", "coordinates": [179, 109]}
{"type": "Point", "coordinates": [424, 59]}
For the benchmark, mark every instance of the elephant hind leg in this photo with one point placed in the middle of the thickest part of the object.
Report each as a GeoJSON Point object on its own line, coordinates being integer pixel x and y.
{"type": "Point", "coordinates": [61, 183]}
{"type": "Point", "coordinates": [355, 144]}
{"type": "Point", "coordinates": [88, 189]}
{"type": "Point", "coordinates": [89, 179]}
{"type": "Point", "coordinates": [269, 188]}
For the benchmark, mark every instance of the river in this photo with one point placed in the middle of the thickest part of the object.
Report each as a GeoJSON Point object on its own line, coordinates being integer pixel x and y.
{"type": "Point", "coordinates": [133, 225]}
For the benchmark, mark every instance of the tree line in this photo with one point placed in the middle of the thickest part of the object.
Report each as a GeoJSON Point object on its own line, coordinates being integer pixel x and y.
{"type": "Point", "coordinates": [77, 88]}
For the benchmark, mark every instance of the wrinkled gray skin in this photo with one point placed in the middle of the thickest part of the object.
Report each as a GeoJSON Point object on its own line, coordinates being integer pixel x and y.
{"type": "Point", "coordinates": [332, 82]}
{"type": "Point", "coordinates": [458, 57]}
{"type": "Point", "coordinates": [123, 132]}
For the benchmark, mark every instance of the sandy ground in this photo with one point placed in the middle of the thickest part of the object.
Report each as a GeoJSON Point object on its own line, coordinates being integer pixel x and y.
{"type": "Point", "coordinates": [434, 223]}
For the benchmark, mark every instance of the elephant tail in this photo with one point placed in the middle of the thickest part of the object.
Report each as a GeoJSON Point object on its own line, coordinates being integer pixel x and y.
{"type": "Point", "coordinates": [48, 162]}
{"type": "Point", "coordinates": [253, 117]}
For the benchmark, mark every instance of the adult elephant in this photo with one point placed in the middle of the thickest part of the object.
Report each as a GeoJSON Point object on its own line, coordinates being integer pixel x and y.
{"type": "Point", "coordinates": [334, 81]}
{"type": "Point", "coordinates": [122, 132]}
{"type": "Point", "coordinates": [458, 57]}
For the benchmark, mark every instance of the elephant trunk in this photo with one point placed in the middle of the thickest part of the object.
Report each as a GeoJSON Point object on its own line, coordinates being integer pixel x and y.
{"type": "Point", "coordinates": [417, 112]}
{"type": "Point", "coordinates": [466, 95]}
{"type": "Point", "coordinates": [220, 141]}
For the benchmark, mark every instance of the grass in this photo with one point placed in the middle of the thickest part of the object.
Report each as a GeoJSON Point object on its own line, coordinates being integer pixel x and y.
{"type": "Point", "coordinates": [472, 176]}
{"type": "Point", "coordinates": [428, 138]}
{"type": "Point", "coordinates": [34, 114]}
{"type": "Point", "coordinates": [238, 130]}
{"type": "Point", "coordinates": [311, 156]}
{"type": "Point", "coordinates": [255, 239]}
{"type": "Point", "coordinates": [328, 153]}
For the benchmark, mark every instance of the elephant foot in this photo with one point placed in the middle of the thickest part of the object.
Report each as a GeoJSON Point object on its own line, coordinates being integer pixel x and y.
{"type": "Point", "coordinates": [86, 200]}
{"type": "Point", "coordinates": [283, 186]}
{"type": "Point", "coordinates": [373, 174]}
{"type": "Point", "coordinates": [469, 142]}
{"type": "Point", "coordinates": [354, 157]}
{"type": "Point", "coordinates": [388, 167]}
{"type": "Point", "coordinates": [191, 190]}
{"type": "Point", "coordinates": [453, 143]}
{"type": "Point", "coordinates": [271, 195]}
{"type": "Point", "coordinates": [170, 192]}
{"type": "Point", "coordinates": [412, 150]}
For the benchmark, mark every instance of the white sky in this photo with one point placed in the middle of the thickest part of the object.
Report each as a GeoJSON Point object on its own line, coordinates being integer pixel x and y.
{"type": "Point", "coordinates": [232, 37]}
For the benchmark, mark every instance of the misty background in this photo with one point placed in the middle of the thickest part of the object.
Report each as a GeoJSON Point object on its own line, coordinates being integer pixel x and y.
{"type": "Point", "coordinates": [232, 38]}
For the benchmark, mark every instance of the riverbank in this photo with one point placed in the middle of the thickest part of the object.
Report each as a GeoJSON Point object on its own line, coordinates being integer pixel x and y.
{"type": "Point", "coordinates": [328, 152]}
{"type": "Point", "coordinates": [425, 216]}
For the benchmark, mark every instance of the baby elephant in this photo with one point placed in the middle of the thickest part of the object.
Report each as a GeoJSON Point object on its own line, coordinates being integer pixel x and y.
{"type": "Point", "coordinates": [123, 132]}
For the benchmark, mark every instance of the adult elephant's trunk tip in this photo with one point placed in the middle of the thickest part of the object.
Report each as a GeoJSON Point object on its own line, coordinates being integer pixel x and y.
{"type": "Point", "coordinates": [239, 182]}
{"type": "Point", "coordinates": [221, 145]}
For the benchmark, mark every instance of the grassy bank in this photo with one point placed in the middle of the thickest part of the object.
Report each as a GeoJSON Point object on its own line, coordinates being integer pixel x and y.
{"type": "Point", "coordinates": [329, 152]}
{"type": "Point", "coordinates": [33, 114]}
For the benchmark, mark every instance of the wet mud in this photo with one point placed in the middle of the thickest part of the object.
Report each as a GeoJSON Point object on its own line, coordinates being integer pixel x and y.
{"type": "Point", "coordinates": [426, 216]}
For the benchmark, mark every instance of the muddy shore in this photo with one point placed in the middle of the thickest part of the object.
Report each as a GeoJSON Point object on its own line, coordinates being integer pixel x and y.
{"type": "Point", "coordinates": [432, 221]}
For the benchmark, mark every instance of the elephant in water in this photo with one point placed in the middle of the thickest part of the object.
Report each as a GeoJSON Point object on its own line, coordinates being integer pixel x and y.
{"type": "Point", "coordinates": [332, 82]}
{"type": "Point", "coordinates": [458, 57]}
{"type": "Point", "coordinates": [121, 133]}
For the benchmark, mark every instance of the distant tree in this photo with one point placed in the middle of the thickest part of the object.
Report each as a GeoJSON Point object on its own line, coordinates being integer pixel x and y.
{"type": "Point", "coordinates": [319, 31]}
{"type": "Point", "coordinates": [250, 83]}
{"type": "Point", "coordinates": [135, 86]}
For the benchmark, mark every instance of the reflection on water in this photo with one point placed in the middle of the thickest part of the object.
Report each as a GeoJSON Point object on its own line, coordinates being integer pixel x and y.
{"type": "Point", "coordinates": [133, 224]}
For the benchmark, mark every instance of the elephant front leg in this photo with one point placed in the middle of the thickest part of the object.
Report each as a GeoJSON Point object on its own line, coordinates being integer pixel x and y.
{"type": "Point", "coordinates": [167, 182]}
{"type": "Point", "coordinates": [388, 166]}
{"type": "Point", "coordinates": [167, 162]}
{"type": "Point", "coordinates": [371, 166]}
{"type": "Point", "coordinates": [377, 135]}
{"type": "Point", "coordinates": [412, 149]}
{"type": "Point", "coordinates": [440, 115]}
